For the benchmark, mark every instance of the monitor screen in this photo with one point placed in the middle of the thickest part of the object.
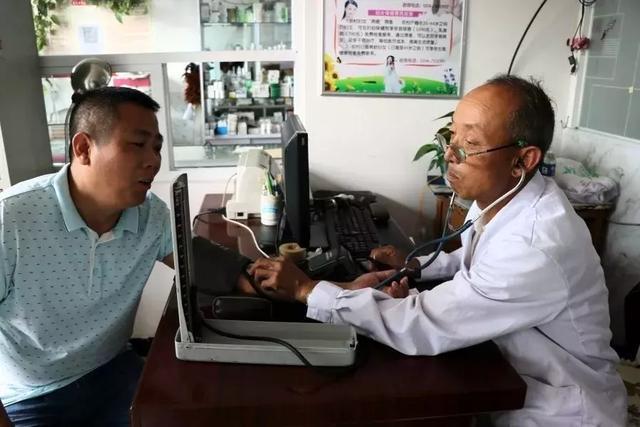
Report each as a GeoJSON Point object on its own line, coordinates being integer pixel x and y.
{"type": "Point", "coordinates": [295, 161]}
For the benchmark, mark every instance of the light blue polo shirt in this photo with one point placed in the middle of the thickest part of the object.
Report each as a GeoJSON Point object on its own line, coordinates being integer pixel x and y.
{"type": "Point", "coordinates": [68, 297]}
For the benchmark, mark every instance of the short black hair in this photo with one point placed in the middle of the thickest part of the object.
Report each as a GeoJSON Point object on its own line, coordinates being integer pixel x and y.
{"type": "Point", "coordinates": [533, 120]}
{"type": "Point", "coordinates": [96, 111]}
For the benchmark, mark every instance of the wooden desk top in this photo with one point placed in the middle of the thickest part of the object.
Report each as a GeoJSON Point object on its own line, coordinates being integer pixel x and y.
{"type": "Point", "coordinates": [386, 387]}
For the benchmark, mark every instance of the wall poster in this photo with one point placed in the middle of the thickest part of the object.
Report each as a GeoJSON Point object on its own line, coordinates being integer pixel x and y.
{"type": "Point", "coordinates": [393, 47]}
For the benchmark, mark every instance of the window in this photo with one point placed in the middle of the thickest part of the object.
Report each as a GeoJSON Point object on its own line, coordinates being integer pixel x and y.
{"type": "Point", "coordinates": [79, 28]}
{"type": "Point", "coordinates": [611, 93]}
{"type": "Point", "coordinates": [243, 50]}
{"type": "Point", "coordinates": [57, 100]}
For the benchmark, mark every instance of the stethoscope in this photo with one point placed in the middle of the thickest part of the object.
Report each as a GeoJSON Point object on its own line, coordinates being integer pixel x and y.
{"type": "Point", "coordinates": [411, 271]}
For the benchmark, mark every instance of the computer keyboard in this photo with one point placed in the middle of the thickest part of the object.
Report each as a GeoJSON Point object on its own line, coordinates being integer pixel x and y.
{"type": "Point", "coordinates": [351, 225]}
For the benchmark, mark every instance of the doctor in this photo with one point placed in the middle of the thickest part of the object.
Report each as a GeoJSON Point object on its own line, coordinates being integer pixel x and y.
{"type": "Point", "coordinates": [527, 275]}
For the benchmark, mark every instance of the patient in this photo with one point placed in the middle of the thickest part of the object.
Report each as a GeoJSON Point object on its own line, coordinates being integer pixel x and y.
{"type": "Point", "coordinates": [76, 250]}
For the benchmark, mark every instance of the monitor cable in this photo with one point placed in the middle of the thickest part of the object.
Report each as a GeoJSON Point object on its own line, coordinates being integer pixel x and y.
{"type": "Point", "coordinates": [239, 224]}
{"type": "Point", "coordinates": [513, 58]}
{"type": "Point", "coordinates": [331, 374]}
{"type": "Point", "coordinates": [283, 343]}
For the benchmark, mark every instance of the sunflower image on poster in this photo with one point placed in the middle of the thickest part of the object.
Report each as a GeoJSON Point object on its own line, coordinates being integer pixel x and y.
{"type": "Point", "coordinates": [392, 47]}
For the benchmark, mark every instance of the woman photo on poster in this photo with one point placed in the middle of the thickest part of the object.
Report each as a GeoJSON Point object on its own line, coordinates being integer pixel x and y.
{"type": "Point", "coordinates": [350, 10]}
{"type": "Point", "coordinates": [392, 82]}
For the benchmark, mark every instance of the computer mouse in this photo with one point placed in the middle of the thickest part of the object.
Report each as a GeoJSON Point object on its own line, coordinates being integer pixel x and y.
{"type": "Point", "coordinates": [379, 213]}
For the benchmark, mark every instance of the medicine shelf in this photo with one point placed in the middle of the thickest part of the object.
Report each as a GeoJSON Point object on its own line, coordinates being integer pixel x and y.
{"type": "Point", "coordinates": [235, 138]}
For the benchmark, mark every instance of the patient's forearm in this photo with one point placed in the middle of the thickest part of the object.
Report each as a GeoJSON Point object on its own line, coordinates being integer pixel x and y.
{"type": "Point", "coordinates": [244, 286]}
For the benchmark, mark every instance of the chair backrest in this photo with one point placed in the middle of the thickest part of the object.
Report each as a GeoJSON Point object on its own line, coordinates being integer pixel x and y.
{"type": "Point", "coordinates": [4, 418]}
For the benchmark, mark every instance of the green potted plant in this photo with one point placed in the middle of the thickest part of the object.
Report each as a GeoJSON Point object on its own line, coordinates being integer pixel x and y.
{"type": "Point", "coordinates": [437, 147]}
{"type": "Point", "coordinates": [46, 19]}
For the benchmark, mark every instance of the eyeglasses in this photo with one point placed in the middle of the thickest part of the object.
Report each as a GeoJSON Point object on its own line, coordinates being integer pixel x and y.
{"type": "Point", "coordinates": [461, 154]}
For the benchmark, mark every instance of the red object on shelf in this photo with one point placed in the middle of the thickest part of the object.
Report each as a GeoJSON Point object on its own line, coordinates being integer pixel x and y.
{"type": "Point", "coordinates": [143, 81]}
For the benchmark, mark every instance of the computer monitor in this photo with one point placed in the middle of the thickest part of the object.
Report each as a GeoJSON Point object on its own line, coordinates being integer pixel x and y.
{"type": "Point", "coordinates": [295, 161]}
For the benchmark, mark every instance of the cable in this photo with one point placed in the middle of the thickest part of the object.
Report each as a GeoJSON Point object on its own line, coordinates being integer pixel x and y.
{"type": "Point", "coordinates": [224, 217]}
{"type": "Point", "coordinates": [631, 224]}
{"type": "Point", "coordinates": [524, 34]}
{"type": "Point", "coordinates": [226, 187]}
{"type": "Point", "coordinates": [253, 236]}
{"type": "Point", "coordinates": [207, 212]}
{"type": "Point", "coordinates": [331, 373]}
{"type": "Point", "coordinates": [283, 343]}
{"type": "Point", "coordinates": [579, 27]}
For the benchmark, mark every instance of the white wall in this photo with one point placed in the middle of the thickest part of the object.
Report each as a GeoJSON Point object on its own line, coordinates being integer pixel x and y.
{"type": "Point", "coordinates": [620, 260]}
{"type": "Point", "coordinates": [368, 143]}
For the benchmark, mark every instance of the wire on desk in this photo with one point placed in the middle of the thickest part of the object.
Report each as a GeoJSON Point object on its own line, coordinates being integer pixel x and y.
{"type": "Point", "coordinates": [253, 236]}
{"type": "Point", "coordinates": [283, 343]}
{"type": "Point", "coordinates": [239, 224]}
{"type": "Point", "coordinates": [226, 187]}
{"type": "Point", "coordinates": [207, 212]}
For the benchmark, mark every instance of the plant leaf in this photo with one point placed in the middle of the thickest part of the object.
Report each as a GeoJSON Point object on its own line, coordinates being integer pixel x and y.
{"type": "Point", "coordinates": [433, 164]}
{"type": "Point", "coordinates": [55, 19]}
{"type": "Point", "coordinates": [442, 141]}
{"type": "Point", "coordinates": [449, 114]}
{"type": "Point", "coordinates": [444, 131]}
{"type": "Point", "coordinates": [426, 148]}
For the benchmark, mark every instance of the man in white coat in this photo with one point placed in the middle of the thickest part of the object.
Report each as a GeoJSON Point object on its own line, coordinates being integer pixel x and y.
{"type": "Point", "coordinates": [527, 275]}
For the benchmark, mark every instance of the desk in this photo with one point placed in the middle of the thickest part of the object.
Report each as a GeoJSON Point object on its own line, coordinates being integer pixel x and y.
{"type": "Point", "coordinates": [386, 389]}
{"type": "Point", "coordinates": [595, 216]}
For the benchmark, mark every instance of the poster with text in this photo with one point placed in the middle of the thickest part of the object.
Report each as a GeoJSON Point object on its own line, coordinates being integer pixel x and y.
{"type": "Point", "coordinates": [393, 47]}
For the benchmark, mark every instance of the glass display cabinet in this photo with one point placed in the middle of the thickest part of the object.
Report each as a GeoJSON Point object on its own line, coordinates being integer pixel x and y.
{"type": "Point", "coordinates": [246, 95]}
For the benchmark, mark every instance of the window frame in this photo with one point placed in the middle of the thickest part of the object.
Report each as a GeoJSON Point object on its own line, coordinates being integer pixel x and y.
{"type": "Point", "coordinates": [576, 91]}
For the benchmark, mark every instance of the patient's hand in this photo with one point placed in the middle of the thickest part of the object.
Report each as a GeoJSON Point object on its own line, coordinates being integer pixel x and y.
{"type": "Point", "coordinates": [388, 255]}
{"type": "Point", "coordinates": [398, 290]}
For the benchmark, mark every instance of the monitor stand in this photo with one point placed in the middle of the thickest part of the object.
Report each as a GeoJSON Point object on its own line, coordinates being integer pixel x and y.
{"type": "Point", "coordinates": [317, 234]}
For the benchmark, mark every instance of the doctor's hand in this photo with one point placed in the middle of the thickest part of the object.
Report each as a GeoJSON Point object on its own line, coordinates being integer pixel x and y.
{"type": "Point", "coordinates": [388, 256]}
{"type": "Point", "coordinates": [367, 280]}
{"type": "Point", "coordinates": [281, 278]}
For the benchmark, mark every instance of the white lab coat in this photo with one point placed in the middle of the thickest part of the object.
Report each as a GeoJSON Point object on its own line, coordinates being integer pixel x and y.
{"type": "Point", "coordinates": [534, 285]}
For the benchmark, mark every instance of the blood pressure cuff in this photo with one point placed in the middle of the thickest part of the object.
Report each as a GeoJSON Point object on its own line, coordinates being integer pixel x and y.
{"type": "Point", "coordinates": [217, 270]}
{"type": "Point", "coordinates": [216, 267]}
